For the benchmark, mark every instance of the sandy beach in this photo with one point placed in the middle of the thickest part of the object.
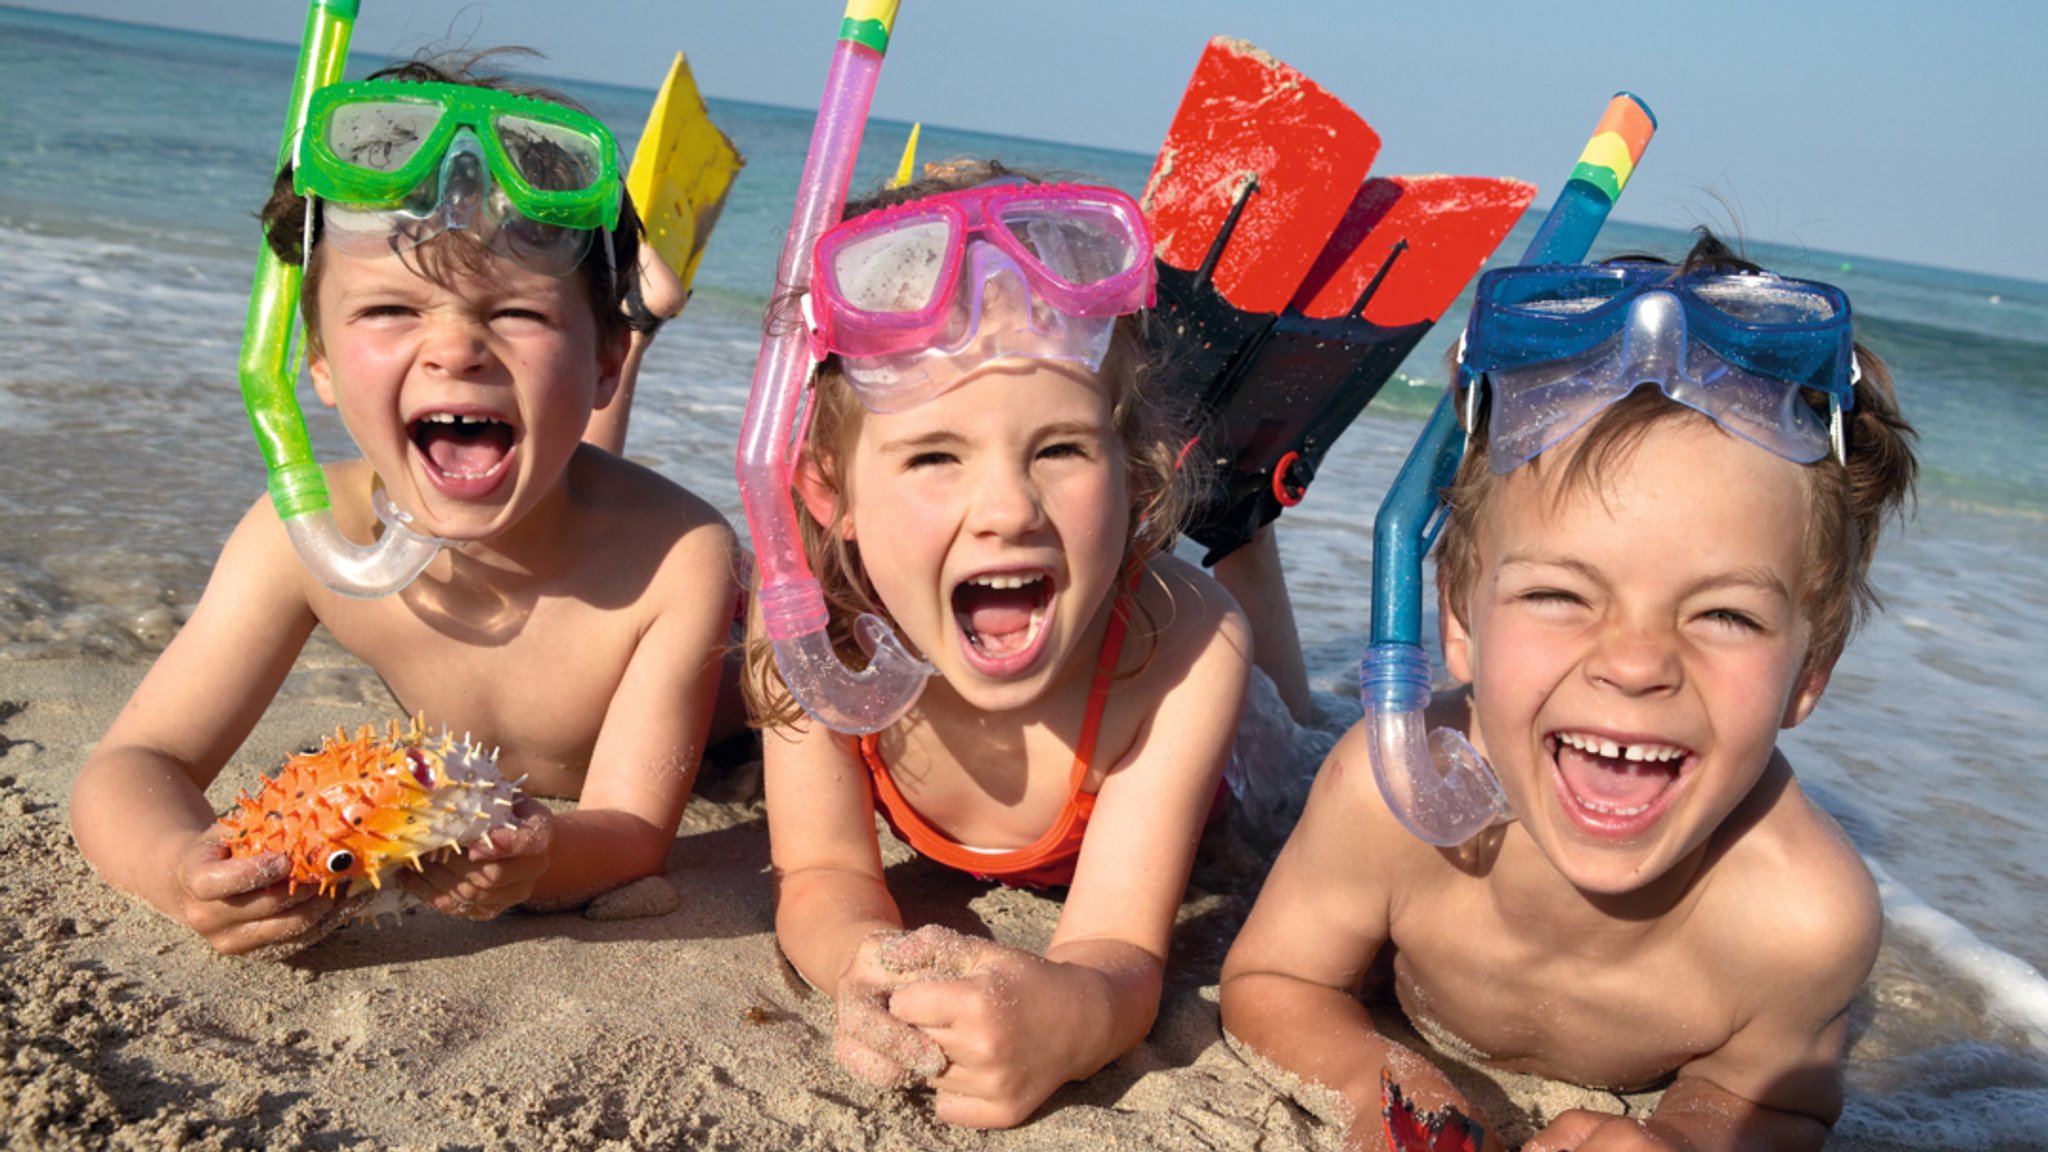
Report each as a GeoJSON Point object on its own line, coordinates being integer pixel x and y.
{"type": "Point", "coordinates": [676, 1024]}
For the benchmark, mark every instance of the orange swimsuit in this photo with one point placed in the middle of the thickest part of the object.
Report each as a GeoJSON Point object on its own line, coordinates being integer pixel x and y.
{"type": "Point", "coordinates": [1046, 862]}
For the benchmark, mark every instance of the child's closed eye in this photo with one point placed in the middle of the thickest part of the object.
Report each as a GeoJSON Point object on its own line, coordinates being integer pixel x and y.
{"type": "Point", "coordinates": [1549, 597]}
{"type": "Point", "coordinates": [1066, 450]}
{"type": "Point", "coordinates": [1734, 619]}
{"type": "Point", "coordinates": [523, 315]}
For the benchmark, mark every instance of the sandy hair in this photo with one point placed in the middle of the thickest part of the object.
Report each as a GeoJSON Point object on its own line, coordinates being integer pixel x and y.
{"type": "Point", "coordinates": [1149, 430]}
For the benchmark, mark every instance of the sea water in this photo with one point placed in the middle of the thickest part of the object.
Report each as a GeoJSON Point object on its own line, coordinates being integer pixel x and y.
{"type": "Point", "coordinates": [131, 164]}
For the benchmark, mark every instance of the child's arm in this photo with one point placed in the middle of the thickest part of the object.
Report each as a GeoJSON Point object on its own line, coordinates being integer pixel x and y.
{"type": "Point", "coordinates": [138, 808]}
{"type": "Point", "coordinates": [833, 911]}
{"type": "Point", "coordinates": [1290, 985]}
{"type": "Point", "coordinates": [641, 770]}
{"type": "Point", "coordinates": [1015, 1026]}
{"type": "Point", "coordinates": [661, 299]}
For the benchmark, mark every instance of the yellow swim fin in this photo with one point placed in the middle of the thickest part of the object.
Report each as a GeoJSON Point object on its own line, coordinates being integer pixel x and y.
{"type": "Point", "coordinates": [681, 171]}
{"type": "Point", "coordinates": [907, 167]}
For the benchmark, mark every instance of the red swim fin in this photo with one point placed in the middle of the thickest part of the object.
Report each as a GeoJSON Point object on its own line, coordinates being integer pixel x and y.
{"type": "Point", "coordinates": [1245, 116]}
{"type": "Point", "coordinates": [1410, 1129]}
{"type": "Point", "coordinates": [1290, 286]}
{"type": "Point", "coordinates": [1449, 224]}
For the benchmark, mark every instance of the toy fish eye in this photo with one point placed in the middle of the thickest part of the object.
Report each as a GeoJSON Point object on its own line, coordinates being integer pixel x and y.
{"type": "Point", "coordinates": [340, 861]}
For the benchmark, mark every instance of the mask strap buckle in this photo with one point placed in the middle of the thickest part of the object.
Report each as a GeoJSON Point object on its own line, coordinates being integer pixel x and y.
{"type": "Point", "coordinates": [1838, 438]}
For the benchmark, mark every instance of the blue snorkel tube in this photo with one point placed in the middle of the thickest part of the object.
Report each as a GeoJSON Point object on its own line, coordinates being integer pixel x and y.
{"type": "Point", "coordinates": [1439, 787]}
{"type": "Point", "coordinates": [269, 370]}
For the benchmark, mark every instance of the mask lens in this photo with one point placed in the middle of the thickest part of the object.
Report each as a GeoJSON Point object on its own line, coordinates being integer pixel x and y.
{"type": "Point", "coordinates": [893, 271]}
{"type": "Point", "coordinates": [1081, 244]}
{"type": "Point", "coordinates": [380, 136]}
{"type": "Point", "coordinates": [550, 157]}
{"type": "Point", "coordinates": [1757, 300]}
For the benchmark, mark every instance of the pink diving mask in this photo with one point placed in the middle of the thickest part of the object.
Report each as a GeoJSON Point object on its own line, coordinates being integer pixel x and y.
{"type": "Point", "coordinates": [913, 297]}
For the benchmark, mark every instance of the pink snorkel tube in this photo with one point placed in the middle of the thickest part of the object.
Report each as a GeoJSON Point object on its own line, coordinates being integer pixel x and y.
{"type": "Point", "coordinates": [790, 600]}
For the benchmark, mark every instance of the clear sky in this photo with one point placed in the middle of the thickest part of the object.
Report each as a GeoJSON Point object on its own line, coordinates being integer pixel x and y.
{"type": "Point", "coordinates": [1901, 129]}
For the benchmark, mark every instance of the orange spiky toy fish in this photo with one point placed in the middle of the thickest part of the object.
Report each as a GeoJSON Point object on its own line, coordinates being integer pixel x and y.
{"type": "Point", "coordinates": [349, 814]}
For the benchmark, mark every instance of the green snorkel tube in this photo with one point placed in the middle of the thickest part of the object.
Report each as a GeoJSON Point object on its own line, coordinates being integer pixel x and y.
{"type": "Point", "coordinates": [269, 372]}
{"type": "Point", "coordinates": [1435, 782]}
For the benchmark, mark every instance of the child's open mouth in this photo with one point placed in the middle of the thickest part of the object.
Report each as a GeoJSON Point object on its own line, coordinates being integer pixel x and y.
{"type": "Point", "coordinates": [1002, 618]}
{"type": "Point", "coordinates": [465, 454]}
{"type": "Point", "coordinates": [1611, 789]}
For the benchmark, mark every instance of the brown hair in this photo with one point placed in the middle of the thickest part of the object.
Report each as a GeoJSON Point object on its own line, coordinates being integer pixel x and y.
{"type": "Point", "coordinates": [1847, 504]}
{"type": "Point", "coordinates": [607, 282]}
{"type": "Point", "coordinates": [1150, 431]}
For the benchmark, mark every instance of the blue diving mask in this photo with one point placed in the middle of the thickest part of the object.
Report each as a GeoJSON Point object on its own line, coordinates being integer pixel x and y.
{"type": "Point", "coordinates": [1550, 347]}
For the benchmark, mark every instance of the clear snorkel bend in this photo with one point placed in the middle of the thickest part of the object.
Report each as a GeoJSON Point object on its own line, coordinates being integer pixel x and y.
{"type": "Point", "coordinates": [1435, 782]}
{"type": "Point", "coordinates": [268, 371]}
{"type": "Point", "coordinates": [790, 599]}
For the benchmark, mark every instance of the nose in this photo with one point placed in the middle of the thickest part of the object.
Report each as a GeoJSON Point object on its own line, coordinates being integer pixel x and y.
{"type": "Point", "coordinates": [1636, 658]}
{"type": "Point", "coordinates": [455, 346]}
{"type": "Point", "coordinates": [1006, 504]}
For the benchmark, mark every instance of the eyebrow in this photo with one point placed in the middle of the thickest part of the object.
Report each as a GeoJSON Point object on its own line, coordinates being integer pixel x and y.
{"type": "Point", "coordinates": [921, 442]}
{"type": "Point", "coordinates": [948, 438]}
{"type": "Point", "coordinates": [1756, 579]}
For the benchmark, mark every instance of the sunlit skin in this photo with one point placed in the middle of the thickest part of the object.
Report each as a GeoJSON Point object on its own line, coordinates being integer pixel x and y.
{"type": "Point", "coordinates": [398, 349]}
{"type": "Point", "coordinates": [1016, 473]}
{"type": "Point", "coordinates": [573, 622]}
{"type": "Point", "coordinates": [1679, 909]}
{"type": "Point", "coordinates": [1017, 477]}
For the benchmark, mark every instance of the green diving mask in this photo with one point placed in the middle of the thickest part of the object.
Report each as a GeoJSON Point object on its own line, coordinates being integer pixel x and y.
{"type": "Point", "coordinates": [398, 163]}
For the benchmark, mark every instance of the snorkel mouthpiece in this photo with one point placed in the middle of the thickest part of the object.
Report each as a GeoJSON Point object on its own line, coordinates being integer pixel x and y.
{"type": "Point", "coordinates": [1433, 781]}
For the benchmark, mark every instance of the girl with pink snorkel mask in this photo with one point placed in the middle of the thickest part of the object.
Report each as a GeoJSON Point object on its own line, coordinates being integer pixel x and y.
{"type": "Point", "coordinates": [985, 472]}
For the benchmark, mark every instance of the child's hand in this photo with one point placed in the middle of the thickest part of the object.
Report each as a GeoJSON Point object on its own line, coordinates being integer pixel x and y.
{"type": "Point", "coordinates": [1582, 1131]}
{"type": "Point", "coordinates": [496, 872]}
{"type": "Point", "coordinates": [242, 904]}
{"type": "Point", "coordinates": [1005, 1019]}
{"type": "Point", "coordinates": [872, 1044]}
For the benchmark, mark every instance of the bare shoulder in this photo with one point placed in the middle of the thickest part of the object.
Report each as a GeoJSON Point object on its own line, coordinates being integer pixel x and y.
{"type": "Point", "coordinates": [1789, 899]}
{"type": "Point", "coordinates": [633, 513]}
{"type": "Point", "coordinates": [1184, 610]}
{"type": "Point", "coordinates": [1351, 813]}
{"type": "Point", "coordinates": [611, 486]}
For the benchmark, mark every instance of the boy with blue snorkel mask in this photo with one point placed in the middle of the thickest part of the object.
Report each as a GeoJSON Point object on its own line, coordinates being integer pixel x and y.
{"type": "Point", "coordinates": [466, 249]}
{"type": "Point", "coordinates": [1639, 587]}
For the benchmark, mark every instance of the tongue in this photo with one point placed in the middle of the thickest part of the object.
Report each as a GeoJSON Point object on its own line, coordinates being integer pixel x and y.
{"type": "Point", "coordinates": [1613, 781]}
{"type": "Point", "coordinates": [465, 450]}
{"type": "Point", "coordinates": [997, 619]}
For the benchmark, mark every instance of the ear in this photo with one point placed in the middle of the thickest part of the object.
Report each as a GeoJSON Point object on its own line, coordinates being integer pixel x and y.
{"type": "Point", "coordinates": [1456, 638]}
{"type": "Point", "coordinates": [316, 368]}
{"type": "Point", "coordinates": [819, 494]}
{"type": "Point", "coordinates": [1806, 694]}
{"type": "Point", "coordinates": [612, 359]}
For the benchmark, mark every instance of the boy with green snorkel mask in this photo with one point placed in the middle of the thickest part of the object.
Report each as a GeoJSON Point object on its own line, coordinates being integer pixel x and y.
{"type": "Point", "coordinates": [467, 249]}
{"type": "Point", "coordinates": [1658, 542]}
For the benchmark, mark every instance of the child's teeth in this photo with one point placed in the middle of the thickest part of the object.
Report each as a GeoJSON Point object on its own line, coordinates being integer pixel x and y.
{"type": "Point", "coordinates": [1640, 753]}
{"type": "Point", "coordinates": [1004, 582]}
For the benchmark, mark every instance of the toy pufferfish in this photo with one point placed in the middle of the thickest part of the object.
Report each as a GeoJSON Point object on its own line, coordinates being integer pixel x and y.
{"type": "Point", "coordinates": [349, 814]}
